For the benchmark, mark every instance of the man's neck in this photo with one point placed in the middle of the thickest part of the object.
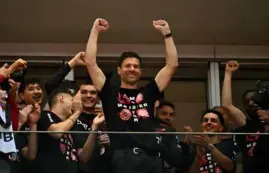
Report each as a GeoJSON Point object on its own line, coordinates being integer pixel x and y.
{"type": "Point", "coordinates": [128, 86]}
{"type": "Point", "coordinates": [88, 110]}
{"type": "Point", "coordinates": [57, 111]}
{"type": "Point", "coordinates": [213, 139]}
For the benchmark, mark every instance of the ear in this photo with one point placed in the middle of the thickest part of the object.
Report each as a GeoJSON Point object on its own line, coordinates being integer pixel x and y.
{"type": "Point", "coordinates": [61, 98]}
{"type": "Point", "coordinates": [119, 70]}
{"type": "Point", "coordinates": [21, 96]}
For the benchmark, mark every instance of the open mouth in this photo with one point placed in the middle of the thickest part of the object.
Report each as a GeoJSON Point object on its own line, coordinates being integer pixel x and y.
{"type": "Point", "coordinates": [37, 97]}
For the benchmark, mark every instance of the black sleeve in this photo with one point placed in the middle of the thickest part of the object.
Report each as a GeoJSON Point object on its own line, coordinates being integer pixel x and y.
{"type": "Point", "coordinates": [153, 90]}
{"type": "Point", "coordinates": [227, 148]}
{"type": "Point", "coordinates": [46, 119]}
{"type": "Point", "coordinates": [56, 80]}
{"type": "Point", "coordinates": [79, 139]}
{"type": "Point", "coordinates": [21, 141]}
{"type": "Point", "coordinates": [178, 154]}
{"type": "Point", "coordinates": [106, 90]}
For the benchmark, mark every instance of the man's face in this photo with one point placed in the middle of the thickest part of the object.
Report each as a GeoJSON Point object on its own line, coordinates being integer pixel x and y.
{"type": "Point", "coordinates": [166, 114]}
{"type": "Point", "coordinates": [88, 96]}
{"type": "Point", "coordinates": [130, 70]}
{"type": "Point", "coordinates": [32, 94]}
{"type": "Point", "coordinates": [211, 123]}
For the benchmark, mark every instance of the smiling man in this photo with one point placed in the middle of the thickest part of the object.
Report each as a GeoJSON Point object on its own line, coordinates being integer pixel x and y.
{"type": "Point", "coordinates": [30, 91]}
{"type": "Point", "coordinates": [212, 154]}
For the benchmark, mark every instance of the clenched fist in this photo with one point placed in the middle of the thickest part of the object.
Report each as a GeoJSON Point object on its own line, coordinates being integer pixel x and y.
{"type": "Point", "coordinates": [232, 66]}
{"type": "Point", "coordinates": [100, 25]}
{"type": "Point", "coordinates": [162, 26]}
{"type": "Point", "coordinates": [18, 65]}
{"type": "Point", "coordinates": [77, 60]}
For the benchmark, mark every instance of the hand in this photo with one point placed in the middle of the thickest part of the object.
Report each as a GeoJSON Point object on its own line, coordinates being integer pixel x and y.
{"type": "Point", "coordinates": [104, 139]}
{"type": "Point", "coordinates": [162, 26]}
{"type": "Point", "coordinates": [24, 113]}
{"type": "Point", "coordinates": [188, 138]}
{"type": "Point", "coordinates": [202, 140]}
{"type": "Point", "coordinates": [78, 60]}
{"type": "Point", "coordinates": [18, 65]}
{"type": "Point", "coordinates": [77, 105]}
{"type": "Point", "coordinates": [200, 151]}
{"type": "Point", "coordinates": [14, 86]}
{"type": "Point", "coordinates": [98, 110]}
{"type": "Point", "coordinates": [5, 71]}
{"type": "Point", "coordinates": [232, 66]}
{"type": "Point", "coordinates": [100, 25]}
{"type": "Point", "coordinates": [98, 120]}
{"type": "Point", "coordinates": [263, 115]}
{"type": "Point", "coordinates": [34, 115]}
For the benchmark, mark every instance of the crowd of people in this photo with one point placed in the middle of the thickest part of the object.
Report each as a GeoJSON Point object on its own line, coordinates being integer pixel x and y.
{"type": "Point", "coordinates": [74, 116]}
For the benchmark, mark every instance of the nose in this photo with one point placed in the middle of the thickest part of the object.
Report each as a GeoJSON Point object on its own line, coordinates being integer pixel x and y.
{"type": "Point", "coordinates": [37, 91]}
{"type": "Point", "coordinates": [132, 68]}
{"type": "Point", "coordinates": [208, 122]}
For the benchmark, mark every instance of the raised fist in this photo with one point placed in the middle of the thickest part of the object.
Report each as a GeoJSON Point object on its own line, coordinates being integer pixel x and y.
{"type": "Point", "coordinates": [232, 66]}
{"type": "Point", "coordinates": [18, 65]}
{"type": "Point", "coordinates": [162, 26]}
{"type": "Point", "coordinates": [77, 60]}
{"type": "Point", "coordinates": [100, 25]}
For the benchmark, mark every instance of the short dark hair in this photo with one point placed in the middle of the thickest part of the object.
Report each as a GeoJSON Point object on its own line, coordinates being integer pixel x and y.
{"type": "Point", "coordinates": [68, 84]}
{"type": "Point", "coordinates": [28, 81]}
{"type": "Point", "coordinates": [163, 103]}
{"type": "Point", "coordinates": [55, 93]}
{"type": "Point", "coordinates": [128, 54]}
{"type": "Point", "coordinates": [220, 116]}
{"type": "Point", "coordinates": [86, 81]}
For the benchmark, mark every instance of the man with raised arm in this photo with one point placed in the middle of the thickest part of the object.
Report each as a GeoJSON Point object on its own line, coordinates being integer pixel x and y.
{"type": "Point", "coordinates": [128, 108]}
{"type": "Point", "coordinates": [254, 147]}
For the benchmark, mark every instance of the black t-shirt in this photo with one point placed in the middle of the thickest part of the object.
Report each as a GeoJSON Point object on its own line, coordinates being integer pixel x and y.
{"type": "Point", "coordinates": [207, 163]}
{"type": "Point", "coordinates": [55, 155]}
{"type": "Point", "coordinates": [99, 161]}
{"type": "Point", "coordinates": [255, 148]}
{"type": "Point", "coordinates": [177, 155]}
{"type": "Point", "coordinates": [21, 164]}
{"type": "Point", "coordinates": [130, 110]}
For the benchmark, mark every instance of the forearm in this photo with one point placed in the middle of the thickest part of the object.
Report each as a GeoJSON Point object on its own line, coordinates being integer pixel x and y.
{"type": "Point", "coordinates": [88, 148]}
{"type": "Point", "coordinates": [91, 49]}
{"type": "Point", "coordinates": [56, 80]}
{"type": "Point", "coordinates": [171, 52]}
{"type": "Point", "coordinates": [64, 126]}
{"type": "Point", "coordinates": [224, 162]}
{"type": "Point", "coordinates": [227, 90]}
{"type": "Point", "coordinates": [32, 144]}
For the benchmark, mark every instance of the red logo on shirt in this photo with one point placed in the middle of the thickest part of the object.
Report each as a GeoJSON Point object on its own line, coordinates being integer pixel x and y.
{"type": "Point", "coordinates": [142, 113]}
{"type": "Point", "coordinates": [139, 98]}
{"type": "Point", "coordinates": [125, 114]}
